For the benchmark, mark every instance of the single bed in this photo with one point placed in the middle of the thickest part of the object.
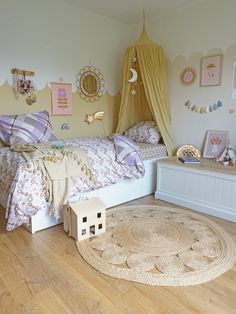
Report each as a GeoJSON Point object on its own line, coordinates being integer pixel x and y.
{"type": "Point", "coordinates": [39, 174]}
{"type": "Point", "coordinates": [23, 188]}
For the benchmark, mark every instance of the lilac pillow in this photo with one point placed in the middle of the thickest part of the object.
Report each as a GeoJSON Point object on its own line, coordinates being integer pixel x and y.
{"type": "Point", "coordinates": [26, 128]}
{"type": "Point", "coordinates": [128, 153]}
{"type": "Point", "coordinates": [143, 132]}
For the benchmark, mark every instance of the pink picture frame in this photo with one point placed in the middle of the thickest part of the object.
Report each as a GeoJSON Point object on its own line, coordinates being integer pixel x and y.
{"type": "Point", "coordinates": [215, 143]}
{"type": "Point", "coordinates": [234, 81]}
{"type": "Point", "coordinates": [61, 99]}
{"type": "Point", "coordinates": [211, 71]}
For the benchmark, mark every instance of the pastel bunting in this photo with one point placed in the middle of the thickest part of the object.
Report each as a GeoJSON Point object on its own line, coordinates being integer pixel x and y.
{"type": "Point", "coordinates": [202, 108]}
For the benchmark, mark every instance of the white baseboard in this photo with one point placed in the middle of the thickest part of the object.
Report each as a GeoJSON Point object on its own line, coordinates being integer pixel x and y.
{"type": "Point", "coordinates": [206, 208]}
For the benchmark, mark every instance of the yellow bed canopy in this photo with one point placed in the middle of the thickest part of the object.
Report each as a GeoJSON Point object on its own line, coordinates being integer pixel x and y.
{"type": "Point", "coordinates": [145, 95]}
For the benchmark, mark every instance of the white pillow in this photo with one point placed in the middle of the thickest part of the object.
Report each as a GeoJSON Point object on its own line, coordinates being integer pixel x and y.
{"type": "Point", "coordinates": [143, 132]}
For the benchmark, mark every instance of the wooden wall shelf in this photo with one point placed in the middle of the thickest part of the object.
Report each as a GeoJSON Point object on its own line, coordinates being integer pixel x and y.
{"type": "Point", "coordinates": [22, 72]}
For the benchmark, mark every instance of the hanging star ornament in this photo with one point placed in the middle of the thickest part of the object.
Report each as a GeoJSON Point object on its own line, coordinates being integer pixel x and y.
{"type": "Point", "coordinates": [89, 118]}
{"type": "Point", "coordinates": [133, 91]}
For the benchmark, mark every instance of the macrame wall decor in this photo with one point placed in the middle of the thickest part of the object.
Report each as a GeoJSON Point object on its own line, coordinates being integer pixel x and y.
{"type": "Point", "coordinates": [23, 86]}
{"type": "Point", "coordinates": [202, 108]}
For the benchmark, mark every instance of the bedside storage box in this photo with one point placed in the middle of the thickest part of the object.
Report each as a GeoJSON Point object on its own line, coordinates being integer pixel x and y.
{"type": "Point", "coordinates": [84, 218]}
{"type": "Point", "coordinates": [208, 186]}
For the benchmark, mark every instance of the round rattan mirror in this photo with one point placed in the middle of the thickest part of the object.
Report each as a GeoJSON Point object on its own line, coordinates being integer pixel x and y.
{"type": "Point", "coordinates": [90, 83]}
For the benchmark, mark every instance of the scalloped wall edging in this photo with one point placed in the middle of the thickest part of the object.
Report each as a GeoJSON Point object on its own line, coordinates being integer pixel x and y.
{"type": "Point", "coordinates": [77, 126]}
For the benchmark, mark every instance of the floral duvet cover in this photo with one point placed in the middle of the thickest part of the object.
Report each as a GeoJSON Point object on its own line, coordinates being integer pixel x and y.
{"type": "Point", "coordinates": [25, 187]}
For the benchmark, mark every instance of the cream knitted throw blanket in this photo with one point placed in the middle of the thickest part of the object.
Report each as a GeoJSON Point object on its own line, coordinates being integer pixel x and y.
{"type": "Point", "coordinates": [61, 168]}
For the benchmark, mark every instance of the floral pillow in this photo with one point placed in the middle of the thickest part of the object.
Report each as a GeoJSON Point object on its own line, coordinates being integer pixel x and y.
{"type": "Point", "coordinates": [26, 128]}
{"type": "Point", "coordinates": [144, 132]}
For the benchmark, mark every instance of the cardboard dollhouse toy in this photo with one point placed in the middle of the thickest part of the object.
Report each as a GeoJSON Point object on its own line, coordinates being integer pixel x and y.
{"type": "Point", "coordinates": [84, 218]}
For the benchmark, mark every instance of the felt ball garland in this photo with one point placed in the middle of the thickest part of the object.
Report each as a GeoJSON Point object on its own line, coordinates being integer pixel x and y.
{"type": "Point", "coordinates": [202, 108]}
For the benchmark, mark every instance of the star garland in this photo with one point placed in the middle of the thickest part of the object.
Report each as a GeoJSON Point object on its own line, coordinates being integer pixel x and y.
{"type": "Point", "coordinates": [202, 108]}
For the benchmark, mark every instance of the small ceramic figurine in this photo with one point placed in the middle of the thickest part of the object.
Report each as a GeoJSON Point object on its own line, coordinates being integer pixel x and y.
{"type": "Point", "coordinates": [228, 154]}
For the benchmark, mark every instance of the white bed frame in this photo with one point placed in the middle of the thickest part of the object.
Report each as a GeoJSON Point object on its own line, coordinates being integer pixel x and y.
{"type": "Point", "coordinates": [111, 195]}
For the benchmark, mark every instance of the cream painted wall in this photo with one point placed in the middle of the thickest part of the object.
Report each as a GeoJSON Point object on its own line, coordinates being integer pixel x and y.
{"type": "Point", "coordinates": [187, 36]}
{"type": "Point", "coordinates": [55, 39]}
{"type": "Point", "coordinates": [77, 126]}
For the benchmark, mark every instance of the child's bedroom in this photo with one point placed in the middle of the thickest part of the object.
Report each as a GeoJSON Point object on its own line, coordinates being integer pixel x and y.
{"type": "Point", "coordinates": [118, 156]}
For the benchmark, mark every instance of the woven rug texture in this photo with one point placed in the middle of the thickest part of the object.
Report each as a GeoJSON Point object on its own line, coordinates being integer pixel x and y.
{"type": "Point", "coordinates": [159, 245]}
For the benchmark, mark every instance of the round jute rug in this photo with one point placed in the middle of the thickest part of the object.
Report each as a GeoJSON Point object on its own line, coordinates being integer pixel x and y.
{"type": "Point", "coordinates": [159, 245]}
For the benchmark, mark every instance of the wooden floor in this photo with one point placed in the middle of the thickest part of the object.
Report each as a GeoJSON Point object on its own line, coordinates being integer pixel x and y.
{"type": "Point", "coordinates": [44, 273]}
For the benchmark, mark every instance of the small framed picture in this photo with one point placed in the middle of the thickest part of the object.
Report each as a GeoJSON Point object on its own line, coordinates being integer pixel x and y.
{"type": "Point", "coordinates": [61, 99]}
{"type": "Point", "coordinates": [234, 81]}
{"type": "Point", "coordinates": [215, 143]}
{"type": "Point", "coordinates": [211, 71]}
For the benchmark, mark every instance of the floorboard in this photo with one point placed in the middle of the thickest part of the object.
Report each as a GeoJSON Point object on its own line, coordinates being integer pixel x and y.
{"type": "Point", "coordinates": [44, 273]}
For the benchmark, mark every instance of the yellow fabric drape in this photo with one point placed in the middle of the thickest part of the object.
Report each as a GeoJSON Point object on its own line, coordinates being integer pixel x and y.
{"type": "Point", "coordinates": [151, 99]}
{"type": "Point", "coordinates": [133, 107]}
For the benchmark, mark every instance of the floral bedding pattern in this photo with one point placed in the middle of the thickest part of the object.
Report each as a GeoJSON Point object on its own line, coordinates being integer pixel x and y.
{"type": "Point", "coordinates": [143, 132]}
{"type": "Point", "coordinates": [25, 188]}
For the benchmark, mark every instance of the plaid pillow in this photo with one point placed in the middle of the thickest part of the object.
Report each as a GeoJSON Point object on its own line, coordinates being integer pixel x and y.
{"type": "Point", "coordinates": [128, 153]}
{"type": "Point", "coordinates": [143, 132]}
{"type": "Point", "coordinates": [26, 128]}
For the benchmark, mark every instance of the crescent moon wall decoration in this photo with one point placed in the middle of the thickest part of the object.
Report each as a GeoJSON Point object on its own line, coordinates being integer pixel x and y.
{"type": "Point", "coordinates": [134, 75]}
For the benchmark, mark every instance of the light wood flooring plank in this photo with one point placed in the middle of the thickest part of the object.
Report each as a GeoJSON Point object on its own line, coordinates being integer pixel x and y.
{"type": "Point", "coordinates": [44, 273]}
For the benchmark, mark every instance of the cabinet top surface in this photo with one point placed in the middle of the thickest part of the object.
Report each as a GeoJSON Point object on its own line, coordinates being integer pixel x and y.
{"type": "Point", "coordinates": [205, 164]}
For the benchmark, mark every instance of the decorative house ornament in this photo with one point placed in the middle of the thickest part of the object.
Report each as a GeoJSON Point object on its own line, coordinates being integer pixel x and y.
{"type": "Point", "coordinates": [188, 76]}
{"type": "Point", "coordinates": [85, 218]}
{"type": "Point", "coordinates": [90, 83]}
{"type": "Point", "coordinates": [202, 108]}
